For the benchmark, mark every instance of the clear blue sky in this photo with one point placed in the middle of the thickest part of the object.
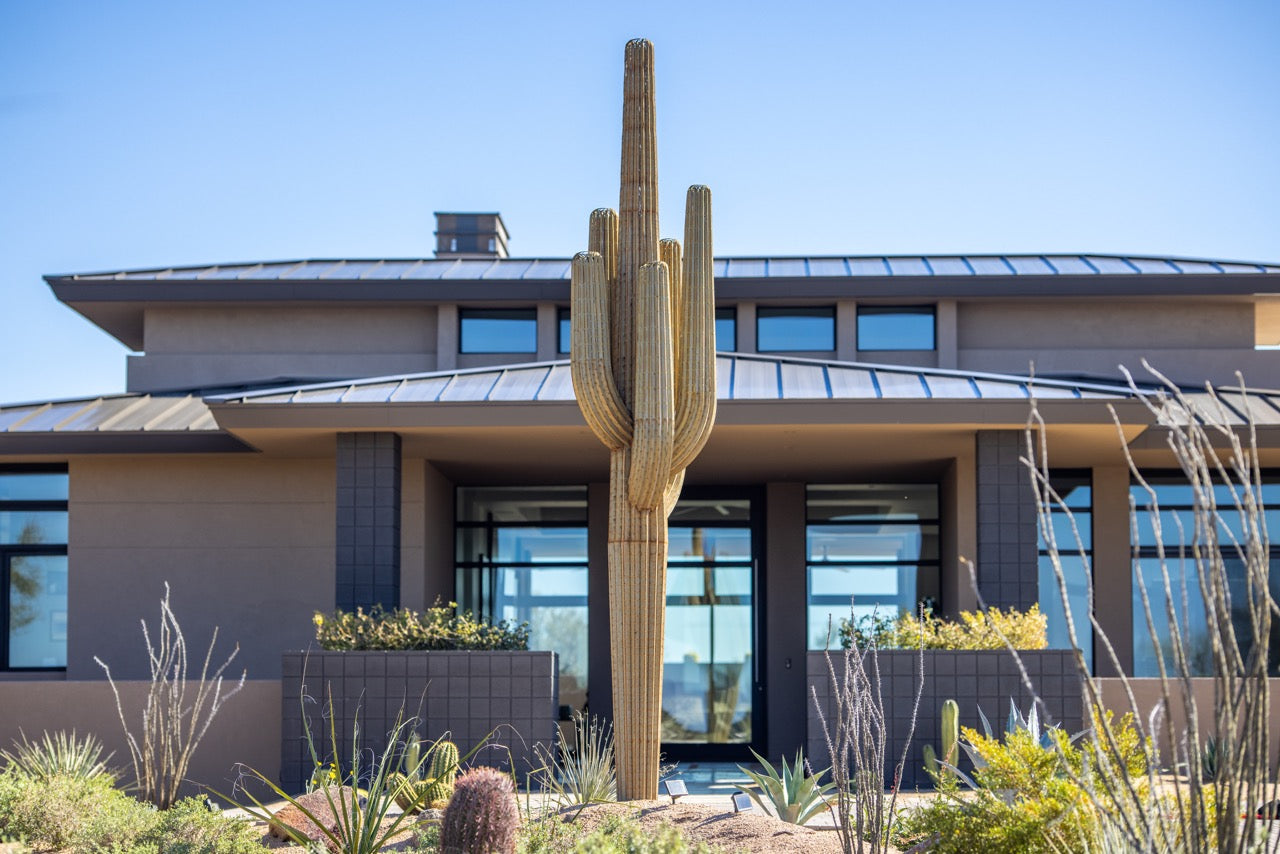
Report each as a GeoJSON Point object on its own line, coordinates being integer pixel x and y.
{"type": "Point", "coordinates": [137, 134]}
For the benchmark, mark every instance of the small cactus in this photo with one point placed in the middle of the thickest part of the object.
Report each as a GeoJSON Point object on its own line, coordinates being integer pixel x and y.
{"type": "Point", "coordinates": [482, 816]}
{"type": "Point", "coordinates": [950, 731]}
{"type": "Point", "coordinates": [416, 790]}
{"type": "Point", "coordinates": [950, 745]}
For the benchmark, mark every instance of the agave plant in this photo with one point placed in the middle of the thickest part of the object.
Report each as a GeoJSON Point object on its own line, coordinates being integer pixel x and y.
{"type": "Point", "coordinates": [361, 805]}
{"type": "Point", "coordinates": [796, 795]}
{"type": "Point", "coordinates": [59, 755]}
{"type": "Point", "coordinates": [581, 773]}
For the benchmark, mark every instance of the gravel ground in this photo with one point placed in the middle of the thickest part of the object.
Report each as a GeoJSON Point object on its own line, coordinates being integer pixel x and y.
{"type": "Point", "coordinates": [701, 822]}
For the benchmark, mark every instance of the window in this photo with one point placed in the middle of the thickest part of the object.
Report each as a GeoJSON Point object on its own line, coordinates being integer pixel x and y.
{"type": "Point", "coordinates": [522, 555]}
{"type": "Point", "coordinates": [875, 545]}
{"type": "Point", "coordinates": [564, 332]}
{"type": "Point", "coordinates": [486, 330]}
{"type": "Point", "coordinates": [1075, 556]}
{"type": "Point", "coordinates": [1177, 527]}
{"type": "Point", "coordinates": [33, 567]}
{"type": "Point", "coordinates": [726, 329]}
{"type": "Point", "coordinates": [896, 327]}
{"type": "Point", "coordinates": [789, 329]}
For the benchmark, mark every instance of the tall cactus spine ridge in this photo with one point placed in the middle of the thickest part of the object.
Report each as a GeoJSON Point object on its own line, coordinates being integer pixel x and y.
{"type": "Point", "coordinates": [643, 365]}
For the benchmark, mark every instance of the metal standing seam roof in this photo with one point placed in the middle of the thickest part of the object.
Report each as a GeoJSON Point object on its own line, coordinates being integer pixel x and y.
{"type": "Point", "coordinates": [815, 267]}
{"type": "Point", "coordinates": [739, 376]}
{"type": "Point", "coordinates": [125, 413]}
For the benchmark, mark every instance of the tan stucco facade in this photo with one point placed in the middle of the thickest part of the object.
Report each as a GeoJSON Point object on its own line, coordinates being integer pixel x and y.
{"type": "Point", "coordinates": [245, 544]}
{"type": "Point", "coordinates": [245, 732]}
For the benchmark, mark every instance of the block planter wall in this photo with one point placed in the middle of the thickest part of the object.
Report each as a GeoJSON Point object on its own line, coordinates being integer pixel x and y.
{"type": "Point", "coordinates": [468, 694]}
{"type": "Point", "coordinates": [985, 678]}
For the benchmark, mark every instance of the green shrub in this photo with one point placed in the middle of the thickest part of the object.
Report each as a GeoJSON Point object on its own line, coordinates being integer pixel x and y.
{"type": "Point", "coordinates": [974, 630]}
{"type": "Point", "coordinates": [1022, 797]}
{"type": "Point", "coordinates": [191, 827]}
{"type": "Point", "coordinates": [78, 814]}
{"type": "Point", "coordinates": [439, 627]}
{"type": "Point", "coordinates": [614, 836]}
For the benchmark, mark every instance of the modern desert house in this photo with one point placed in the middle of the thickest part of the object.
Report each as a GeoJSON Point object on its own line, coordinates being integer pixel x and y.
{"type": "Point", "coordinates": [299, 436]}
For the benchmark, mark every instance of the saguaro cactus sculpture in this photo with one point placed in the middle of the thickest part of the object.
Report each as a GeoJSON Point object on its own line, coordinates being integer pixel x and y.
{"type": "Point", "coordinates": [643, 355]}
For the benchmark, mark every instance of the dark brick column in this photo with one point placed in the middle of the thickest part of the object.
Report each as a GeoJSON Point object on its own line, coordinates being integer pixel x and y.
{"type": "Point", "coordinates": [1007, 534]}
{"type": "Point", "coordinates": [368, 532]}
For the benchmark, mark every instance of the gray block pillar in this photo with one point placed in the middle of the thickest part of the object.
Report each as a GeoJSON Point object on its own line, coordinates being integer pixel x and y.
{"type": "Point", "coordinates": [1008, 576]}
{"type": "Point", "coordinates": [368, 524]}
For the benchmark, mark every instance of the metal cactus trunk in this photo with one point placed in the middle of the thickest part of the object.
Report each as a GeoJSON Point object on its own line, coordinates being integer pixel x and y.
{"type": "Point", "coordinates": [643, 356]}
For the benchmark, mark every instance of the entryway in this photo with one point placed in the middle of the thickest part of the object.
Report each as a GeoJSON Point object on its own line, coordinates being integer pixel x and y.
{"type": "Point", "coordinates": [712, 705]}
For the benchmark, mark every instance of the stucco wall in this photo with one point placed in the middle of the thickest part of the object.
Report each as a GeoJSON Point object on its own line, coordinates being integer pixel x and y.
{"type": "Point", "coordinates": [188, 347]}
{"type": "Point", "coordinates": [246, 544]}
{"type": "Point", "coordinates": [1092, 337]}
{"type": "Point", "coordinates": [1147, 694]}
{"type": "Point", "coordinates": [246, 730]}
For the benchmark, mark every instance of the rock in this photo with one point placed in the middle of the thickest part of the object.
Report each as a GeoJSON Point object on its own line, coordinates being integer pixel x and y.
{"type": "Point", "coordinates": [317, 803]}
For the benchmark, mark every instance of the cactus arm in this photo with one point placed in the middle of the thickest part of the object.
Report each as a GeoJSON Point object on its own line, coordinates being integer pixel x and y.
{"type": "Point", "coordinates": [637, 207]}
{"type": "Point", "coordinates": [593, 385]}
{"type": "Point", "coordinates": [669, 249]}
{"type": "Point", "coordinates": [697, 359]}
{"type": "Point", "coordinates": [651, 444]}
{"type": "Point", "coordinates": [602, 237]}
{"type": "Point", "coordinates": [672, 493]}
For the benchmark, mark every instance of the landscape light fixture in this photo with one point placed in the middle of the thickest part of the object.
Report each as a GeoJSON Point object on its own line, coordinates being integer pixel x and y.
{"type": "Point", "coordinates": [675, 788]}
{"type": "Point", "coordinates": [741, 802]}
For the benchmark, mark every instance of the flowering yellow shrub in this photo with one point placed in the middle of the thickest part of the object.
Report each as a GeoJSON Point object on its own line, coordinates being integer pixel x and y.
{"type": "Point", "coordinates": [975, 630]}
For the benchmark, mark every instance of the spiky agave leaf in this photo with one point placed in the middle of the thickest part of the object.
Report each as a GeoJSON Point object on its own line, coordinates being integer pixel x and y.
{"type": "Point", "coordinates": [796, 797]}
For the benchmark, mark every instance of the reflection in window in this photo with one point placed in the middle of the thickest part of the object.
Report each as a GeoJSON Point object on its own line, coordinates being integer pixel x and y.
{"type": "Point", "coordinates": [709, 642]}
{"type": "Point", "coordinates": [1176, 530]}
{"type": "Point", "coordinates": [889, 327]}
{"type": "Point", "coordinates": [872, 545]}
{"type": "Point", "coordinates": [33, 568]}
{"type": "Point", "coordinates": [795, 329]}
{"type": "Point", "coordinates": [726, 329]}
{"type": "Point", "coordinates": [521, 554]}
{"type": "Point", "coordinates": [564, 331]}
{"type": "Point", "coordinates": [492, 330]}
{"type": "Point", "coordinates": [1075, 556]}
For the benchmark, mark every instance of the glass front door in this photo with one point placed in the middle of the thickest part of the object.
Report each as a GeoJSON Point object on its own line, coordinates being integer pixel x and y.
{"type": "Point", "coordinates": [709, 682]}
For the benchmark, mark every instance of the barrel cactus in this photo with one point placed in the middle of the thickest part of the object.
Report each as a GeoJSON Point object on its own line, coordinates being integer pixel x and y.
{"type": "Point", "coordinates": [482, 816]}
{"type": "Point", "coordinates": [643, 366]}
{"type": "Point", "coordinates": [416, 789]}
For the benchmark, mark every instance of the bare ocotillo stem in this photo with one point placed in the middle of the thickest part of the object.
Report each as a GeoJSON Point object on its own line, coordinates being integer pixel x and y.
{"type": "Point", "coordinates": [643, 355]}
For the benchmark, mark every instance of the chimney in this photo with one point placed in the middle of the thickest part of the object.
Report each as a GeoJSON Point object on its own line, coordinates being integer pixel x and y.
{"type": "Point", "coordinates": [470, 235]}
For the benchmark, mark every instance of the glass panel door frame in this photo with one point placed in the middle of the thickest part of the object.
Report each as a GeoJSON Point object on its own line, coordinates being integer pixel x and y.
{"type": "Point", "coordinates": [8, 554]}
{"type": "Point", "coordinates": [736, 752]}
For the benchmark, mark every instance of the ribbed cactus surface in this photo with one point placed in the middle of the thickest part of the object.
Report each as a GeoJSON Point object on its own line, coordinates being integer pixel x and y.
{"type": "Point", "coordinates": [423, 785]}
{"type": "Point", "coordinates": [643, 364]}
{"type": "Point", "coordinates": [950, 731]}
{"type": "Point", "coordinates": [482, 816]}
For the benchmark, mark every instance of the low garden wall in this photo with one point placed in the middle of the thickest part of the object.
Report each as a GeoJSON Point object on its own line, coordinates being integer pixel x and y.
{"type": "Point", "coordinates": [468, 694]}
{"type": "Point", "coordinates": [973, 678]}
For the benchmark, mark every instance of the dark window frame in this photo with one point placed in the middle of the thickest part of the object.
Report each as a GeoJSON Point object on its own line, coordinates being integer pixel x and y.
{"type": "Point", "coordinates": [9, 551]}
{"type": "Point", "coordinates": [465, 314]}
{"type": "Point", "coordinates": [881, 310]}
{"type": "Point", "coordinates": [726, 313]}
{"type": "Point", "coordinates": [870, 523]}
{"type": "Point", "coordinates": [563, 346]}
{"type": "Point", "coordinates": [1145, 553]}
{"type": "Point", "coordinates": [767, 311]}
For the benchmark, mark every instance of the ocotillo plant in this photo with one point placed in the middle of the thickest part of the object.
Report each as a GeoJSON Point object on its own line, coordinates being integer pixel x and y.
{"type": "Point", "coordinates": [643, 355]}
